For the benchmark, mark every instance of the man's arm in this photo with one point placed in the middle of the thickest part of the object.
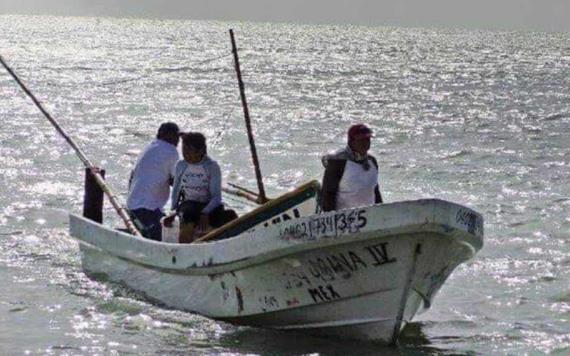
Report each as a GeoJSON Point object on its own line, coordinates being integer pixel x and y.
{"type": "Point", "coordinates": [377, 195]}
{"type": "Point", "coordinates": [176, 185]}
{"type": "Point", "coordinates": [215, 188]}
{"type": "Point", "coordinates": [171, 167]}
{"type": "Point", "coordinates": [331, 179]}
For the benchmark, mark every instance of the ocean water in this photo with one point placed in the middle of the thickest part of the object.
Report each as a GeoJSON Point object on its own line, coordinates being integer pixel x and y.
{"type": "Point", "coordinates": [476, 117]}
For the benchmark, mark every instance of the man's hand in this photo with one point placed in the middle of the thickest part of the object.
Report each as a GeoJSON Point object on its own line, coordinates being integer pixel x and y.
{"type": "Point", "coordinates": [168, 220]}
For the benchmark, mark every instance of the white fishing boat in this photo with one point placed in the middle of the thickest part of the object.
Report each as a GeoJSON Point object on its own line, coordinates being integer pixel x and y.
{"type": "Point", "coordinates": [360, 273]}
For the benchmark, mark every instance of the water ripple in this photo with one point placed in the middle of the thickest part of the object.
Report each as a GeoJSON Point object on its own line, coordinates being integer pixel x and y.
{"type": "Point", "coordinates": [475, 117]}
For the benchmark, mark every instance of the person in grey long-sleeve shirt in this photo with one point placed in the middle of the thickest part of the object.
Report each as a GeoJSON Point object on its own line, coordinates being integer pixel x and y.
{"type": "Point", "coordinates": [191, 180]}
{"type": "Point", "coordinates": [197, 190]}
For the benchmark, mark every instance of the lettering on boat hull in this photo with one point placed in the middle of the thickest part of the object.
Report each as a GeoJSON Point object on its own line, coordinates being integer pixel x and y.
{"type": "Point", "coordinates": [472, 221]}
{"type": "Point", "coordinates": [269, 302]}
{"type": "Point", "coordinates": [341, 223]}
{"type": "Point", "coordinates": [340, 265]}
{"type": "Point", "coordinates": [283, 217]}
{"type": "Point", "coordinates": [323, 293]}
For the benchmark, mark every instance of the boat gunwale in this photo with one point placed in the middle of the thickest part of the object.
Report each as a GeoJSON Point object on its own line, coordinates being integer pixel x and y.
{"type": "Point", "coordinates": [263, 252]}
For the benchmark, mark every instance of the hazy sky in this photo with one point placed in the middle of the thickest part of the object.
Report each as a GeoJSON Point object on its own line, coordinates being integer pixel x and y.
{"type": "Point", "coordinates": [549, 15]}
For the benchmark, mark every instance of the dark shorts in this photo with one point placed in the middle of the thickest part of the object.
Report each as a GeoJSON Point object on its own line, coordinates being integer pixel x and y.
{"type": "Point", "coordinates": [149, 222]}
{"type": "Point", "coordinates": [190, 211]}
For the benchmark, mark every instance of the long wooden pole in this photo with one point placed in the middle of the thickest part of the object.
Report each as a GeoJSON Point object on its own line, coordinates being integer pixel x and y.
{"type": "Point", "coordinates": [112, 198]}
{"type": "Point", "coordinates": [262, 197]}
{"type": "Point", "coordinates": [242, 189]}
{"type": "Point", "coordinates": [254, 198]}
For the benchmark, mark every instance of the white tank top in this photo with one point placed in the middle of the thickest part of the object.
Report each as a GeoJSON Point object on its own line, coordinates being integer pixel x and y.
{"type": "Point", "coordinates": [195, 184]}
{"type": "Point", "coordinates": [356, 187]}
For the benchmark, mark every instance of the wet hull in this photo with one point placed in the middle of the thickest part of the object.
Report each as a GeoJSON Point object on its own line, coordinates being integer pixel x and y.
{"type": "Point", "coordinates": [363, 284]}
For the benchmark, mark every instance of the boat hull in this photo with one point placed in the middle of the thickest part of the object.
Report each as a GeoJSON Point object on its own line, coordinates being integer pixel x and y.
{"type": "Point", "coordinates": [365, 285]}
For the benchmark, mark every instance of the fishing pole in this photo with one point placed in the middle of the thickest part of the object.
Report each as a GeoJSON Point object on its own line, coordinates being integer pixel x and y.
{"type": "Point", "coordinates": [262, 198]}
{"type": "Point", "coordinates": [86, 162]}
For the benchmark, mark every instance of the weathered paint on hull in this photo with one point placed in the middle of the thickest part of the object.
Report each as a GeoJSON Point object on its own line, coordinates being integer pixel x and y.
{"type": "Point", "coordinates": [377, 323]}
{"type": "Point", "coordinates": [360, 273]}
{"type": "Point", "coordinates": [363, 290]}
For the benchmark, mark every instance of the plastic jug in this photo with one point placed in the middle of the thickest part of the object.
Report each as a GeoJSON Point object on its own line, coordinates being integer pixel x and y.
{"type": "Point", "coordinates": [170, 234]}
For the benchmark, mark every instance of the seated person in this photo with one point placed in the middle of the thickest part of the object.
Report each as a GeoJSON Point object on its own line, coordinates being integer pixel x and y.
{"type": "Point", "coordinates": [197, 191]}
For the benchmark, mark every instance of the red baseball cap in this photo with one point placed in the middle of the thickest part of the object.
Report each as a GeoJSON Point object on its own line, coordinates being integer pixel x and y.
{"type": "Point", "coordinates": [359, 131]}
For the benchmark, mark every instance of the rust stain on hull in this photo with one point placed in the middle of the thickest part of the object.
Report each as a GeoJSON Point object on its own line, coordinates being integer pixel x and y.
{"type": "Point", "coordinates": [239, 300]}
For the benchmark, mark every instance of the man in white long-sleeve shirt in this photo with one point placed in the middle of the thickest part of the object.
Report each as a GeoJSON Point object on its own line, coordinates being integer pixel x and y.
{"type": "Point", "coordinates": [149, 185]}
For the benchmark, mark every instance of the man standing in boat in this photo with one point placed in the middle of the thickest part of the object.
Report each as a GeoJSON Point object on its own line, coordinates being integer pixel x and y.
{"type": "Point", "coordinates": [149, 185]}
{"type": "Point", "coordinates": [351, 174]}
